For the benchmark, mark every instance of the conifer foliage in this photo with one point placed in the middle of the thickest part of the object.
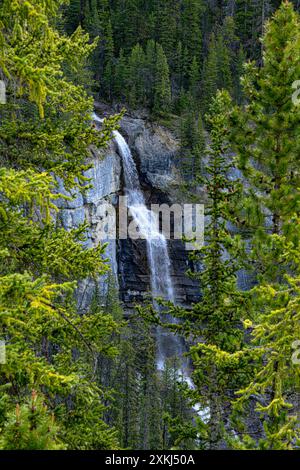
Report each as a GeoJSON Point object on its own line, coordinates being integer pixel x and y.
{"type": "Point", "coordinates": [221, 75]}
{"type": "Point", "coordinates": [45, 125]}
{"type": "Point", "coordinates": [270, 129]}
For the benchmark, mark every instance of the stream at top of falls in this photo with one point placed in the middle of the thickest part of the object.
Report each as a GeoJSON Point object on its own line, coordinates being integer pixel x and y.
{"type": "Point", "coordinates": [169, 345]}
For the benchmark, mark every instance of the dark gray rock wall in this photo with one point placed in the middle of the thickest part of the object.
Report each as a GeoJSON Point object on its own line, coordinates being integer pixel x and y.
{"type": "Point", "coordinates": [155, 150]}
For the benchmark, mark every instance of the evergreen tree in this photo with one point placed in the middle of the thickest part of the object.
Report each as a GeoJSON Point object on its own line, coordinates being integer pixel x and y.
{"type": "Point", "coordinates": [74, 15]}
{"type": "Point", "coordinates": [186, 67]}
{"type": "Point", "coordinates": [121, 77]}
{"type": "Point", "coordinates": [224, 80]}
{"type": "Point", "coordinates": [167, 17]}
{"type": "Point", "coordinates": [237, 75]}
{"type": "Point", "coordinates": [244, 13]}
{"type": "Point", "coordinates": [250, 17]}
{"type": "Point", "coordinates": [178, 66]}
{"type": "Point", "coordinates": [199, 148]}
{"type": "Point", "coordinates": [192, 139]}
{"type": "Point", "coordinates": [194, 82]}
{"type": "Point", "coordinates": [269, 128]}
{"type": "Point", "coordinates": [217, 317]}
{"type": "Point", "coordinates": [127, 22]}
{"type": "Point", "coordinates": [139, 409]}
{"type": "Point", "coordinates": [266, 132]}
{"type": "Point", "coordinates": [48, 117]}
{"type": "Point", "coordinates": [274, 320]}
{"type": "Point", "coordinates": [108, 76]}
{"type": "Point", "coordinates": [151, 53]}
{"type": "Point", "coordinates": [31, 427]}
{"type": "Point", "coordinates": [177, 413]}
{"type": "Point", "coordinates": [136, 77]}
{"type": "Point", "coordinates": [162, 88]}
{"type": "Point", "coordinates": [210, 74]}
{"type": "Point", "coordinates": [191, 16]}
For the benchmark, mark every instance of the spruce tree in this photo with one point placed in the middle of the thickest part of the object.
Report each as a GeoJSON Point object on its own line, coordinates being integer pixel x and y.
{"type": "Point", "coordinates": [210, 74]}
{"type": "Point", "coordinates": [162, 88]}
{"type": "Point", "coordinates": [266, 137]}
{"type": "Point", "coordinates": [74, 15]}
{"type": "Point", "coordinates": [121, 76]}
{"type": "Point", "coordinates": [217, 317]}
{"type": "Point", "coordinates": [224, 80]}
{"type": "Point", "coordinates": [238, 69]}
{"type": "Point", "coordinates": [127, 20]}
{"type": "Point", "coordinates": [191, 34]}
{"type": "Point", "coordinates": [236, 57]}
{"type": "Point", "coordinates": [194, 80]}
{"type": "Point", "coordinates": [136, 77]}
{"type": "Point", "coordinates": [108, 75]}
{"type": "Point", "coordinates": [150, 77]}
{"type": "Point", "coordinates": [244, 18]}
{"type": "Point", "coordinates": [192, 140]}
{"type": "Point", "coordinates": [167, 16]}
{"type": "Point", "coordinates": [266, 134]}
{"type": "Point", "coordinates": [274, 318]}
{"type": "Point", "coordinates": [178, 65]}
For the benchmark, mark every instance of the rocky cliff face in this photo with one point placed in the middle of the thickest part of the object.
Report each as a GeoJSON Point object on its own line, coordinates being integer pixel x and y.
{"type": "Point", "coordinates": [90, 207]}
{"type": "Point", "coordinates": [154, 149]}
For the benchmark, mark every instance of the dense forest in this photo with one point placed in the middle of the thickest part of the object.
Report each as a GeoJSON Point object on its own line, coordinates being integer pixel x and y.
{"type": "Point", "coordinates": [223, 76]}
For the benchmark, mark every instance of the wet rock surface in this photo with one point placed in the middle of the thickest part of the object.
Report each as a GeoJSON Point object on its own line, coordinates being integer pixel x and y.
{"type": "Point", "coordinates": [155, 151]}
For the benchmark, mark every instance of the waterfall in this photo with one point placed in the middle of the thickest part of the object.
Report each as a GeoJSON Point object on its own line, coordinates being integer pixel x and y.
{"type": "Point", "coordinates": [157, 247]}
{"type": "Point", "coordinates": [148, 223]}
{"type": "Point", "coordinates": [168, 344]}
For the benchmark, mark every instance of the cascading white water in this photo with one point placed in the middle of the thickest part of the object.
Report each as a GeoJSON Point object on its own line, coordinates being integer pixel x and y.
{"type": "Point", "coordinates": [169, 345]}
{"type": "Point", "coordinates": [147, 221]}
{"type": "Point", "coordinates": [157, 247]}
{"type": "Point", "coordinates": [157, 250]}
